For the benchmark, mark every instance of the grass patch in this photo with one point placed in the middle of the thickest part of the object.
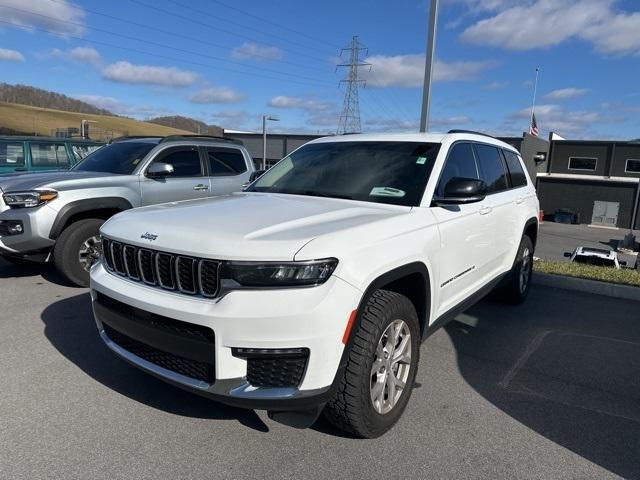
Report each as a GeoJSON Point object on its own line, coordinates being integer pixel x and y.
{"type": "Point", "coordinates": [624, 276]}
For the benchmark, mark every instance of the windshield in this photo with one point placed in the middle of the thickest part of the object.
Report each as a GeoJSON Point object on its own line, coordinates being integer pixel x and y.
{"type": "Point", "coordinates": [116, 158]}
{"type": "Point", "coordinates": [382, 172]}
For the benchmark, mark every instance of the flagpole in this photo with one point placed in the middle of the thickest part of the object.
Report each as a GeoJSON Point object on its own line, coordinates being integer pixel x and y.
{"type": "Point", "coordinates": [533, 103]}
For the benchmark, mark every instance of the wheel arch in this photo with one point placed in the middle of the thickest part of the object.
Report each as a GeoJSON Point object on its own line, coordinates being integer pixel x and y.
{"type": "Point", "coordinates": [531, 230]}
{"type": "Point", "coordinates": [411, 280]}
{"type": "Point", "coordinates": [104, 208]}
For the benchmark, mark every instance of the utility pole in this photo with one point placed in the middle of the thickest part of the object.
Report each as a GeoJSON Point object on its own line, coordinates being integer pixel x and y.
{"type": "Point", "coordinates": [428, 67]}
{"type": "Point", "coordinates": [264, 138]}
{"type": "Point", "coordinates": [350, 117]}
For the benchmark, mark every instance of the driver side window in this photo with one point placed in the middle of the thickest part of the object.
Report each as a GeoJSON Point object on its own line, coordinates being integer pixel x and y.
{"type": "Point", "coordinates": [460, 163]}
{"type": "Point", "coordinates": [185, 161]}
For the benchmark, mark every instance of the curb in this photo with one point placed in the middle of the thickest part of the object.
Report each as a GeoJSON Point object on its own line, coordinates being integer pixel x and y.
{"type": "Point", "coordinates": [595, 287]}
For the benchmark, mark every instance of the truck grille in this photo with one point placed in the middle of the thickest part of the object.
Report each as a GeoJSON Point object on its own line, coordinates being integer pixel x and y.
{"type": "Point", "coordinates": [188, 275]}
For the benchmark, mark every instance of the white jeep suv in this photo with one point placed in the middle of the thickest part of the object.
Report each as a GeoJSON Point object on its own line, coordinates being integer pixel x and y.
{"type": "Point", "coordinates": [312, 290]}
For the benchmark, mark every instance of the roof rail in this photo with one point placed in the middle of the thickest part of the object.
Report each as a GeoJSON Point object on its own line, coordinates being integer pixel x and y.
{"type": "Point", "coordinates": [472, 132]}
{"type": "Point", "coordinates": [172, 138]}
{"type": "Point", "coordinates": [132, 137]}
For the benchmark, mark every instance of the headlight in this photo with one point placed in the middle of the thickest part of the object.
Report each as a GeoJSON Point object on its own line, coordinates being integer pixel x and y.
{"type": "Point", "coordinates": [279, 274]}
{"type": "Point", "coordinates": [29, 199]}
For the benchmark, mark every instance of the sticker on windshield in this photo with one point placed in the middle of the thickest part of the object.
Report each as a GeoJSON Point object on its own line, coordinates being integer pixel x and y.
{"type": "Point", "coordinates": [421, 160]}
{"type": "Point", "coordinates": [386, 192]}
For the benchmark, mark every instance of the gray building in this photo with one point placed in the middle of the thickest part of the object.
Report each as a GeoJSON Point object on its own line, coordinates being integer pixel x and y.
{"type": "Point", "coordinates": [279, 145]}
{"type": "Point", "coordinates": [597, 180]}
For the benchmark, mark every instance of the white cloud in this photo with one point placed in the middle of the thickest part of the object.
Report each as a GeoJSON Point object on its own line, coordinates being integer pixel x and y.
{"type": "Point", "coordinates": [450, 121]}
{"type": "Point", "coordinates": [408, 70]}
{"type": "Point", "coordinates": [496, 85]}
{"type": "Point", "coordinates": [283, 101]}
{"type": "Point", "coordinates": [125, 72]}
{"type": "Point", "coordinates": [255, 51]}
{"type": "Point", "coordinates": [566, 93]}
{"type": "Point", "coordinates": [546, 23]}
{"type": "Point", "coordinates": [79, 54]}
{"type": "Point", "coordinates": [11, 55]}
{"type": "Point", "coordinates": [553, 117]}
{"type": "Point", "coordinates": [85, 54]}
{"type": "Point", "coordinates": [44, 14]}
{"type": "Point", "coordinates": [216, 95]}
{"type": "Point", "coordinates": [324, 120]}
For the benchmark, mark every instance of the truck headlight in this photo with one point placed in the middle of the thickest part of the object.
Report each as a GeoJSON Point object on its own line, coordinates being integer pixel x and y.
{"type": "Point", "coordinates": [279, 274]}
{"type": "Point", "coordinates": [29, 199]}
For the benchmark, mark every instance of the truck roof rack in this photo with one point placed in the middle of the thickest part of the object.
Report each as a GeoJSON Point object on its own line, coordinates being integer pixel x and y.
{"type": "Point", "coordinates": [132, 137]}
{"type": "Point", "coordinates": [473, 132]}
{"type": "Point", "coordinates": [217, 138]}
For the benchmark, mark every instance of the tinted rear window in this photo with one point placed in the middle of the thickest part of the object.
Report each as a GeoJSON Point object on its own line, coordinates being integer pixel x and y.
{"type": "Point", "coordinates": [491, 168]}
{"type": "Point", "coordinates": [117, 158]}
{"type": "Point", "coordinates": [11, 154]}
{"type": "Point", "coordinates": [516, 172]}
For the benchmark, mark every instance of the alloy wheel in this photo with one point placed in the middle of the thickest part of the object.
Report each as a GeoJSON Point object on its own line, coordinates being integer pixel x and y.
{"type": "Point", "coordinates": [90, 252]}
{"type": "Point", "coordinates": [391, 366]}
{"type": "Point", "coordinates": [525, 270]}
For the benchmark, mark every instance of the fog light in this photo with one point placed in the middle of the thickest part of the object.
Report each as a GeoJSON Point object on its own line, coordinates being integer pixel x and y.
{"type": "Point", "coordinates": [11, 227]}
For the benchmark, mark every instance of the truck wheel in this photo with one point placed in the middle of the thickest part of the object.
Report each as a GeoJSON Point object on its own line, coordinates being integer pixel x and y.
{"type": "Point", "coordinates": [77, 248]}
{"type": "Point", "coordinates": [381, 367]}
{"type": "Point", "coordinates": [516, 290]}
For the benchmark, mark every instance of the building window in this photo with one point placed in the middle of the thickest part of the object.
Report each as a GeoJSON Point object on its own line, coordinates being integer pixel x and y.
{"type": "Point", "coordinates": [632, 166]}
{"type": "Point", "coordinates": [583, 163]}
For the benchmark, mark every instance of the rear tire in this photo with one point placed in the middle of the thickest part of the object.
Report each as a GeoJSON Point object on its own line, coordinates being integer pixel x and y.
{"type": "Point", "coordinates": [76, 248]}
{"type": "Point", "coordinates": [516, 290]}
{"type": "Point", "coordinates": [379, 375]}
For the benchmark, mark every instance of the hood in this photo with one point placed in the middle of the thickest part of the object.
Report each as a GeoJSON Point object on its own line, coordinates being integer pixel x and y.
{"type": "Point", "coordinates": [244, 226]}
{"type": "Point", "coordinates": [29, 181]}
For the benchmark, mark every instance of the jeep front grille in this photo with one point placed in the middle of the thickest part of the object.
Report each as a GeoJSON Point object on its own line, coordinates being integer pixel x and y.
{"type": "Point", "coordinates": [188, 275]}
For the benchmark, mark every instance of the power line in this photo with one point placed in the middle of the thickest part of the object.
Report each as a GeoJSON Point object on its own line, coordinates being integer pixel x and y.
{"type": "Point", "coordinates": [279, 25]}
{"type": "Point", "coordinates": [180, 35]}
{"type": "Point", "coordinates": [156, 55]}
{"type": "Point", "coordinates": [165, 46]}
{"type": "Point", "coordinates": [218, 29]}
{"type": "Point", "coordinates": [350, 117]}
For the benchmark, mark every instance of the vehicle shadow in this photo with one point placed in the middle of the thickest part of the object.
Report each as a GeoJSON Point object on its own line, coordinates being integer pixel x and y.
{"type": "Point", "coordinates": [45, 270]}
{"type": "Point", "coordinates": [564, 364]}
{"type": "Point", "coordinates": [70, 328]}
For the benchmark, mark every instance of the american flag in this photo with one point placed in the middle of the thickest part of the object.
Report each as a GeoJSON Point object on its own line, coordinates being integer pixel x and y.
{"type": "Point", "coordinates": [533, 129]}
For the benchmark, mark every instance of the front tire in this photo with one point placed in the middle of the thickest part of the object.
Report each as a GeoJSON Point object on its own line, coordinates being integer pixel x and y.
{"type": "Point", "coordinates": [77, 248]}
{"type": "Point", "coordinates": [517, 289]}
{"type": "Point", "coordinates": [381, 367]}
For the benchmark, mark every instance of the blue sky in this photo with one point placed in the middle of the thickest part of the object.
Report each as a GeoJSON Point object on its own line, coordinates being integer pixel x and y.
{"type": "Point", "coordinates": [228, 62]}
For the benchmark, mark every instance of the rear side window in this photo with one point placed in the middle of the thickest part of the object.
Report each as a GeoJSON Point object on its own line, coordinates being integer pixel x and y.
{"type": "Point", "coordinates": [460, 163]}
{"type": "Point", "coordinates": [11, 154]}
{"type": "Point", "coordinates": [49, 155]}
{"type": "Point", "coordinates": [516, 172]}
{"type": "Point", "coordinates": [491, 168]}
{"type": "Point", "coordinates": [224, 162]}
{"type": "Point", "coordinates": [185, 161]}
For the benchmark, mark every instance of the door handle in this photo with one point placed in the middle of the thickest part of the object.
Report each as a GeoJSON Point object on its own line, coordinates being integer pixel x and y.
{"type": "Point", "coordinates": [202, 186]}
{"type": "Point", "coordinates": [485, 210]}
{"type": "Point", "coordinates": [519, 200]}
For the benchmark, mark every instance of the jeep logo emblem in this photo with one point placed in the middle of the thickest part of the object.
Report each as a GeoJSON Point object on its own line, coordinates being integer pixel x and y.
{"type": "Point", "coordinates": [148, 236]}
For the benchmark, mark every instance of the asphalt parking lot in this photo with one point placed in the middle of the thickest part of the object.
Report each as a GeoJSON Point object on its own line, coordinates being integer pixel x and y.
{"type": "Point", "coordinates": [547, 390]}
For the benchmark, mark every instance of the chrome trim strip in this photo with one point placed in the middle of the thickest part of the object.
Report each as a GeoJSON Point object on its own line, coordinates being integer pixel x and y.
{"type": "Point", "coordinates": [249, 391]}
{"type": "Point", "coordinates": [208, 295]}
{"type": "Point", "coordinates": [171, 270]}
{"type": "Point", "coordinates": [140, 250]}
{"type": "Point", "coordinates": [184, 290]}
{"type": "Point", "coordinates": [126, 264]}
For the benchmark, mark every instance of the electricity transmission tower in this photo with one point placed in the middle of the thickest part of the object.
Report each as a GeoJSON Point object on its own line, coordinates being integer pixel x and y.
{"type": "Point", "coordinates": [350, 116]}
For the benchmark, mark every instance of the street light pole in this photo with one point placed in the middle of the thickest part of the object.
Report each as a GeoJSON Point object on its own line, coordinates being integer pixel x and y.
{"type": "Point", "coordinates": [428, 68]}
{"type": "Point", "coordinates": [264, 138]}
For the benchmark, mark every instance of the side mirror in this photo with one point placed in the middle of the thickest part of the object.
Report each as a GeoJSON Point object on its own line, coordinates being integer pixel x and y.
{"type": "Point", "coordinates": [159, 170]}
{"type": "Point", "coordinates": [460, 191]}
{"type": "Point", "coordinates": [255, 175]}
{"type": "Point", "coordinates": [567, 254]}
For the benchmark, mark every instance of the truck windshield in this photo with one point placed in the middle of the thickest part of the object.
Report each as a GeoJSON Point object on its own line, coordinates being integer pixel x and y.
{"type": "Point", "coordinates": [117, 158]}
{"type": "Point", "coordinates": [382, 172]}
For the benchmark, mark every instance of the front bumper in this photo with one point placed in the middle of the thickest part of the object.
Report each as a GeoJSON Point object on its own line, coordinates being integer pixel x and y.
{"type": "Point", "coordinates": [310, 318]}
{"type": "Point", "coordinates": [34, 243]}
